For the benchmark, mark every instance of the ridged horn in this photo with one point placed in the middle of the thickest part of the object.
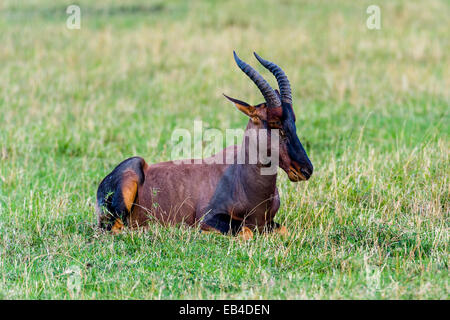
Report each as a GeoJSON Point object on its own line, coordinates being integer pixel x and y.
{"type": "Point", "coordinates": [268, 93]}
{"type": "Point", "coordinates": [283, 82]}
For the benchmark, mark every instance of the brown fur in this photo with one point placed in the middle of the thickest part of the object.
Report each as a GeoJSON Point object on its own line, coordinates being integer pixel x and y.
{"type": "Point", "coordinates": [169, 195]}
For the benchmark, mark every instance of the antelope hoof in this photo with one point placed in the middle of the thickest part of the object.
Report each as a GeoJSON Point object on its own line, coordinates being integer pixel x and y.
{"type": "Point", "coordinates": [245, 234]}
{"type": "Point", "coordinates": [282, 231]}
{"type": "Point", "coordinates": [117, 227]}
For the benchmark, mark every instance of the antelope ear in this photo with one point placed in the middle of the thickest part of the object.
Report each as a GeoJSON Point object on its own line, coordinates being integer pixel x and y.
{"type": "Point", "coordinates": [242, 106]}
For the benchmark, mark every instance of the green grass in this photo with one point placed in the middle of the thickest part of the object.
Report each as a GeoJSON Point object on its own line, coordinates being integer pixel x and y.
{"type": "Point", "coordinates": [372, 112]}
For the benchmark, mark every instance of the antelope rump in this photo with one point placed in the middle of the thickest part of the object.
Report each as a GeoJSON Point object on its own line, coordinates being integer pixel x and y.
{"type": "Point", "coordinates": [234, 198]}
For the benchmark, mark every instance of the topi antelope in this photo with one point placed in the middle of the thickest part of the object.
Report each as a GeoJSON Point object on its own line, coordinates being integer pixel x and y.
{"type": "Point", "coordinates": [231, 198]}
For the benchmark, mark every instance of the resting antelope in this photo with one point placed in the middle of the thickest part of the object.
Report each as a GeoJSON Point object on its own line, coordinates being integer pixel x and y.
{"type": "Point", "coordinates": [229, 198]}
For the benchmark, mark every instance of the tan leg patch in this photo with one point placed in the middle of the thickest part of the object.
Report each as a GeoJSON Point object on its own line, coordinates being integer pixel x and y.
{"type": "Point", "coordinates": [129, 189]}
{"type": "Point", "coordinates": [282, 231]}
{"type": "Point", "coordinates": [117, 227]}
{"type": "Point", "coordinates": [245, 234]}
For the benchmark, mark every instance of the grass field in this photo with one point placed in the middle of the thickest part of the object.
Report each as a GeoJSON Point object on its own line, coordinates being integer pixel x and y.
{"type": "Point", "coordinates": [372, 111]}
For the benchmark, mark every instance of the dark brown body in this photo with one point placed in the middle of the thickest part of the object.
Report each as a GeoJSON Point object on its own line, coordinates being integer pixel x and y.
{"type": "Point", "coordinates": [168, 195]}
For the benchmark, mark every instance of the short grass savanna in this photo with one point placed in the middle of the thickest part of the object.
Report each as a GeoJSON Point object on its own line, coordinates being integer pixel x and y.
{"type": "Point", "coordinates": [371, 109]}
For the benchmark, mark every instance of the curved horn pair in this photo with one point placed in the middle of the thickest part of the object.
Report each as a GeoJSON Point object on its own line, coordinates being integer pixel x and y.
{"type": "Point", "coordinates": [282, 80]}
{"type": "Point", "coordinates": [268, 93]}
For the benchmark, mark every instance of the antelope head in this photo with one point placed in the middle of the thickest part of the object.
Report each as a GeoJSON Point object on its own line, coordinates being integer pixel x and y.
{"type": "Point", "coordinates": [276, 113]}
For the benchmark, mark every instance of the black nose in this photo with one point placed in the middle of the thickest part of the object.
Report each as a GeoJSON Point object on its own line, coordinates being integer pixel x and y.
{"type": "Point", "coordinates": [306, 172]}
